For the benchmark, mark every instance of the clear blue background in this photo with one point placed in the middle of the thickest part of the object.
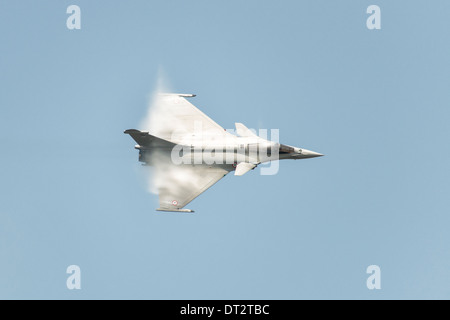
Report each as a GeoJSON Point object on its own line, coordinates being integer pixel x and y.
{"type": "Point", "coordinates": [375, 102]}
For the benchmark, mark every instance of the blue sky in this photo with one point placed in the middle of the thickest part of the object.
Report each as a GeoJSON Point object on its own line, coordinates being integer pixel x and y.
{"type": "Point", "coordinates": [375, 102]}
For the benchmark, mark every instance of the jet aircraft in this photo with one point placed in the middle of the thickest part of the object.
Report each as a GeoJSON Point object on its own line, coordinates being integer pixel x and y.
{"type": "Point", "coordinates": [189, 152]}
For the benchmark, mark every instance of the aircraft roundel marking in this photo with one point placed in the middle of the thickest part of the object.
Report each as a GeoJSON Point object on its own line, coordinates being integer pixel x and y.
{"type": "Point", "coordinates": [234, 165]}
{"type": "Point", "coordinates": [175, 202]}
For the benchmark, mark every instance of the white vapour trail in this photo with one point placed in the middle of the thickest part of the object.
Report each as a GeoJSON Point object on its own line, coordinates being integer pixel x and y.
{"type": "Point", "coordinates": [154, 122]}
{"type": "Point", "coordinates": [154, 119]}
{"type": "Point", "coordinates": [160, 121]}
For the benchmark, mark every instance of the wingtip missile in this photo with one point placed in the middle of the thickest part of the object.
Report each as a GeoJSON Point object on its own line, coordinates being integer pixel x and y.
{"type": "Point", "coordinates": [184, 95]}
{"type": "Point", "coordinates": [175, 210]}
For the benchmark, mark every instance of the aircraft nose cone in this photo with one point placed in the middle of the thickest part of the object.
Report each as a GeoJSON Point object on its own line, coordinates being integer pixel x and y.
{"type": "Point", "coordinates": [310, 154]}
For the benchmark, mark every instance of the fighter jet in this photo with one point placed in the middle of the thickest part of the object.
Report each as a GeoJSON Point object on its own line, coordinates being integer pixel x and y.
{"type": "Point", "coordinates": [189, 152]}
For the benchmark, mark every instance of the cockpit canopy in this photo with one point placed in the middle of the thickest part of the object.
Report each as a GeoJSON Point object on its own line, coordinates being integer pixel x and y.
{"type": "Point", "coordinates": [284, 149]}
